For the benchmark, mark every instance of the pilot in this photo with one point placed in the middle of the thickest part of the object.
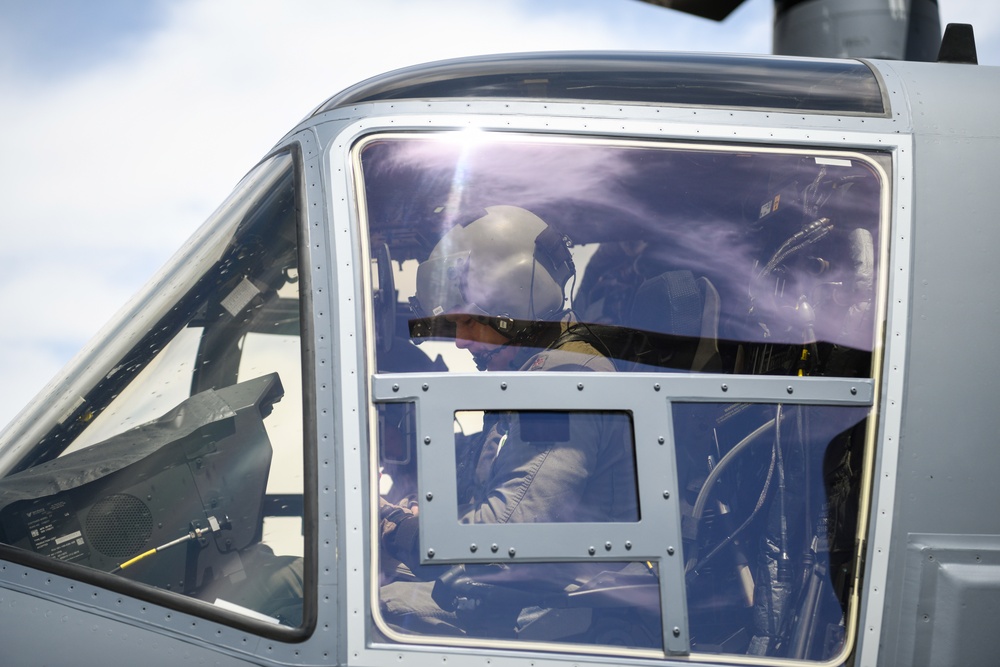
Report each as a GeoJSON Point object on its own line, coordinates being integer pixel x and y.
{"type": "Point", "coordinates": [498, 284]}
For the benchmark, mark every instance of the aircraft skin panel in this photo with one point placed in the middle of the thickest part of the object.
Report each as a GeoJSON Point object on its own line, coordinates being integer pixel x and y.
{"type": "Point", "coordinates": [64, 630]}
{"type": "Point", "coordinates": [944, 528]}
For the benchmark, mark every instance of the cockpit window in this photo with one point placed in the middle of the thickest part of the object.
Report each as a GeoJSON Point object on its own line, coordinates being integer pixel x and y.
{"type": "Point", "coordinates": [604, 353]}
{"type": "Point", "coordinates": [182, 466]}
{"type": "Point", "coordinates": [667, 259]}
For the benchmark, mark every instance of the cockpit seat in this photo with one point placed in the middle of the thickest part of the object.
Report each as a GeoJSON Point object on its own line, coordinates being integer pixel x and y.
{"type": "Point", "coordinates": [677, 317]}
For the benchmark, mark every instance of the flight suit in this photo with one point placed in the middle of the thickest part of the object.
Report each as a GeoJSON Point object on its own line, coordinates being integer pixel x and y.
{"type": "Point", "coordinates": [588, 476]}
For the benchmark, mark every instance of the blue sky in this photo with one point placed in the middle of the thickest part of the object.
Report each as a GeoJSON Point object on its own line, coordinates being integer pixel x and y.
{"type": "Point", "coordinates": [59, 39]}
{"type": "Point", "coordinates": [125, 123]}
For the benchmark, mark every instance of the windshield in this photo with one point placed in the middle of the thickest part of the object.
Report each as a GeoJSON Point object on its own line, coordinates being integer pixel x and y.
{"type": "Point", "coordinates": [733, 261]}
{"type": "Point", "coordinates": [181, 467]}
{"type": "Point", "coordinates": [678, 482]}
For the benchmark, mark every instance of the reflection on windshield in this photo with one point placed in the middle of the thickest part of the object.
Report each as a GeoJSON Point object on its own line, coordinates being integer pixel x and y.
{"type": "Point", "coordinates": [757, 255]}
{"type": "Point", "coordinates": [532, 255]}
{"type": "Point", "coordinates": [769, 530]}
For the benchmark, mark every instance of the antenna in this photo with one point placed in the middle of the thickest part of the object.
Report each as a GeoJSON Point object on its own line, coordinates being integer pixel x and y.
{"type": "Point", "coordinates": [958, 45]}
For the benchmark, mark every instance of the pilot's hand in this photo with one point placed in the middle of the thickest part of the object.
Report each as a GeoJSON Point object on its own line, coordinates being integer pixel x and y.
{"type": "Point", "coordinates": [391, 516]}
{"type": "Point", "coordinates": [389, 511]}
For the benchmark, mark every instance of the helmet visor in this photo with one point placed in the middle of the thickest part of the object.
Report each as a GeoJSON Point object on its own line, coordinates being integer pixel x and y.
{"type": "Point", "coordinates": [441, 285]}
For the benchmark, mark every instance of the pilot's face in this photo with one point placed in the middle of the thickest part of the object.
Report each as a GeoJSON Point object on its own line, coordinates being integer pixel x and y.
{"type": "Point", "coordinates": [484, 342]}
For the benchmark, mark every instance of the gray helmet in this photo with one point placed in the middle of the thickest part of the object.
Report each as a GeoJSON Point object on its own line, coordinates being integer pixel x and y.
{"type": "Point", "coordinates": [508, 267]}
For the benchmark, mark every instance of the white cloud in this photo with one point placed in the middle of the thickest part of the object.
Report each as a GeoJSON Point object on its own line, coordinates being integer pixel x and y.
{"type": "Point", "coordinates": [106, 170]}
{"type": "Point", "coordinates": [26, 369]}
{"type": "Point", "coordinates": [142, 148]}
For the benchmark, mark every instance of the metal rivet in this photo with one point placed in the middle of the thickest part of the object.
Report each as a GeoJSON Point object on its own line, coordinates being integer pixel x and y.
{"type": "Point", "coordinates": [677, 631]}
{"type": "Point", "coordinates": [473, 548]}
{"type": "Point", "coordinates": [661, 440]}
{"type": "Point", "coordinates": [790, 389]}
{"type": "Point", "coordinates": [503, 386]}
{"type": "Point", "coordinates": [395, 387]}
{"type": "Point", "coordinates": [725, 387]}
{"type": "Point", "coordinates": [854, 391]}
{"type": "Point", "coordinates": [427, 440]}
{"type": "Point", "coordinates": [580, 386]}
{"type": "Point", "coordinates": [429, 496]}
{"type": "Point", "coordinates": [511, 552]}
{"type": "Point", "coordinates": [666, 494]}
{"type": "Point", "coordinates": [591, 550]}
{"type": "Point", "coordinates": [656, 387]}
{"type": "Point", "coordinates": [607, 546]}
{"type": "Point", "coordinates": [670, 551]}
{"type": "Point", "coordinates": [425, 386]}
{"type": "Point", "coordinates": [430, 553]}
{"type": "Point", "coordinates": [494, 548]}
{"type": "Point", "coordinates": [628, 546]}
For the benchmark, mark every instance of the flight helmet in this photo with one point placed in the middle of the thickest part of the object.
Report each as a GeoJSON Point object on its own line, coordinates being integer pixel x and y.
{"type": "Point", "coordinates": [508, 268]}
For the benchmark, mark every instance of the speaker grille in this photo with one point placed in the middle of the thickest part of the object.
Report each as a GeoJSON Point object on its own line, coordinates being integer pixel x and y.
{"type": "Point", "coordinates": [119, 526]}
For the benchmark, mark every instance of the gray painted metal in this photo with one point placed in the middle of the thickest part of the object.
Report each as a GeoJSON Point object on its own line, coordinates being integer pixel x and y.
{"type": "Point", "coordinates": [946, 480]}
{"type": "Point", "coordinates": [949, 609]}
{"type": "Point", "coordinates": [50, 620]}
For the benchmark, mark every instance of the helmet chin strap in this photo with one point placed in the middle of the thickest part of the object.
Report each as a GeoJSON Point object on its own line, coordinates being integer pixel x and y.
{"type": "Point", "coordinates": [483, 359]}
{"type": "Point", "coordinates": [503, 325]}
{"type": "Point", "coordinates": [519, 338]}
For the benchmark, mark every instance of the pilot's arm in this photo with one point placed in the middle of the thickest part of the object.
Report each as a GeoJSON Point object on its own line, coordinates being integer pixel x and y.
{"type": "Point", "coordinates": [583, 476]}
{"type": "Point", "coordinates": [587, 476]}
